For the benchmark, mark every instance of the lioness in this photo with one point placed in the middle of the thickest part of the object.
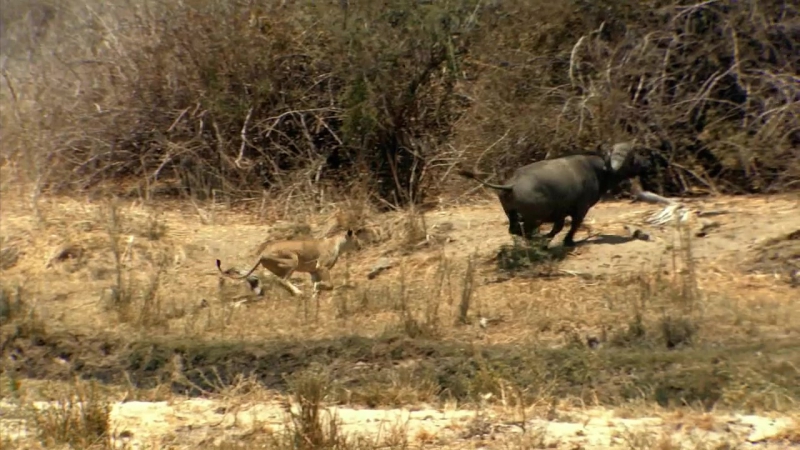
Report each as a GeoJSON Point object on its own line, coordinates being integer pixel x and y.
{"type": "Point", "coordinates": [314, 256]}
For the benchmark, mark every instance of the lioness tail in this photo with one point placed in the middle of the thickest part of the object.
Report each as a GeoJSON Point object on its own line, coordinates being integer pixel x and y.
{"type": "Point", "coordinates": [227, 274]}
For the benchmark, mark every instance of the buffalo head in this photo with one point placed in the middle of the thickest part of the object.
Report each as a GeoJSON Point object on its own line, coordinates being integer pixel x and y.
{"type": "Point", "coordinates": [626, 160]}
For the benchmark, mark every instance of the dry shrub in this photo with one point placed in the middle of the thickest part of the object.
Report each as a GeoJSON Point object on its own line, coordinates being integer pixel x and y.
{"type": "Point", "coordinates": [688, 79]}
{"type": "Point", "coordinates": [210, 97]}
{"type": "Point", "coordinates": [311, 390]}
{"type": "Point", "coordinates": [313, 426]}
{"type": "Point", "coordinates": [134, 296]}
{"type": "Point", "coordinates": [666, 310]}
{"type": "Point", "coordinates": [9, 253]}
{"type": "Point", "coordinates": [79, 419]}
{"type": "Point", "coordinates": [18, 319]}
{"type": "Point", "coordinates": [218, 95]}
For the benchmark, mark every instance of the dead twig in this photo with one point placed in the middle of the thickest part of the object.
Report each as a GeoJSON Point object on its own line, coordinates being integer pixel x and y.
{"type": "Point", "coordinates": [243, 135]}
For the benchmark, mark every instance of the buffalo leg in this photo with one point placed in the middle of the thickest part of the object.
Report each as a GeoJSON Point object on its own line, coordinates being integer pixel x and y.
{"type": "Point", "coordinates": [530, 228]}
{"type": "Point", "coordinates": [558, 225]}
{"type": "Point", "coordinates": [514, 226]}
{"type": "Point", "coordinates": [577, 220]}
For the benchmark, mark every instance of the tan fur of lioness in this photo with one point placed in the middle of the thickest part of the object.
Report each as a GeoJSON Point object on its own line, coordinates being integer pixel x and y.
{"type": "Point", "coordinates": [313, 256]}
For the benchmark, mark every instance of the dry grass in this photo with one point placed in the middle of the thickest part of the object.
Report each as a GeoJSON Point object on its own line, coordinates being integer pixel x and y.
{"type": "Point", "coordinates": [137, 294]}
{"type": "Point", "coordinates": [791, 435]}
{"type": "Point", "coordinates": [78, 416]}
{"type": "Point", "coordinates": [79, 419]}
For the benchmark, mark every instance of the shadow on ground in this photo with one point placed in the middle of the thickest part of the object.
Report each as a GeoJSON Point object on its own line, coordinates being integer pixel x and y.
{"type": "Point", "coordinates": [780, 255]}
{"type": "Point", "coordinates": [367, 368]}
{"type": "Point", "coordinates": [540, 256]}
{"type": "Point", "coordinates": [606, 239]}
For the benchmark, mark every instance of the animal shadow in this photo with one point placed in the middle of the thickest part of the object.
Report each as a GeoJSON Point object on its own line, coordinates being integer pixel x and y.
{"type": "Point", "coordinates": [607, 239]}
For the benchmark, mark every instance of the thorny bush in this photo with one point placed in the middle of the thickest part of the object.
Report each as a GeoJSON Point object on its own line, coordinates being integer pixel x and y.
{"type": "Point", "coordinates": [235, 97]}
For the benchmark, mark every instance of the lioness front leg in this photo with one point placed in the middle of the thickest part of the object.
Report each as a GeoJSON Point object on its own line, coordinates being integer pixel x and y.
{"type": "Point", "coordinates": [322, 280]}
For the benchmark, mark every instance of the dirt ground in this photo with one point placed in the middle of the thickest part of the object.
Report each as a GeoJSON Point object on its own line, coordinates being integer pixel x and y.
{"type": "Point", "coordinates": [61, 260]}
{"type": "Point", "coordinates": [738, 227]}
{"type": "Point", "coordinates": [198, 423]}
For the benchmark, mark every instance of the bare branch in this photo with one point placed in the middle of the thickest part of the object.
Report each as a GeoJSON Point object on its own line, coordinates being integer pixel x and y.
{"type": "Point", "coordinates": [243, 135]}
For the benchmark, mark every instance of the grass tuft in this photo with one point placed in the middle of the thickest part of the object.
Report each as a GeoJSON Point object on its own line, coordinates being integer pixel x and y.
{"type": "Point", "coordinates": [79, 419]}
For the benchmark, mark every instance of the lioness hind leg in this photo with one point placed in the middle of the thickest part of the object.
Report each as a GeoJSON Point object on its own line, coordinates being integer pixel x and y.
{"type": "Point", "coordinates": [283, 268]}
{"type": "Point", "coordinates": [292, 288]}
